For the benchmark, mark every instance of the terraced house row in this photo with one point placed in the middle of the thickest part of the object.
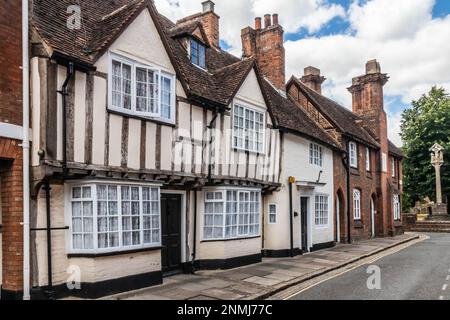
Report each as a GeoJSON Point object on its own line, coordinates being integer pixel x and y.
{"type": "Point", "coordinates": [154, 151]}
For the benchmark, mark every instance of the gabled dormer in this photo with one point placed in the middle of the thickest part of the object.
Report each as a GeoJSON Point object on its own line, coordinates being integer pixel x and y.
{"type": "Point", "coordinates": [194, 40]}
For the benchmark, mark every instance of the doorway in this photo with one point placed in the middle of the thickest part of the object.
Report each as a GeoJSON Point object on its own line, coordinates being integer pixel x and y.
{"type": "Point", "coordinates": [171, 205]}
{"type": "Point", "coordinates": [304, 223]}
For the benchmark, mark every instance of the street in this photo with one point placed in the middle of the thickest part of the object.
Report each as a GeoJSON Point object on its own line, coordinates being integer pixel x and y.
{"type": "Point", "coordinates": [420, 272]}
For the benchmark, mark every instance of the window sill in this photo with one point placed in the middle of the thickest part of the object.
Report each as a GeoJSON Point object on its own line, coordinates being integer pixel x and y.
{"type": "Point", "coordinates": [228, 240]}
{"type": "Point", "coordinates": [248, 151]}
{"type": "Point", "coordinates": [112, 254]}
{"type": "Point", "coordinates": [354, 171]}
{"type": "Point", "coordinates": [358, 224]}
{"type": "Point", "coordinates": [398, 224]}
{"type": "Point", "coordinates": [137, 117]}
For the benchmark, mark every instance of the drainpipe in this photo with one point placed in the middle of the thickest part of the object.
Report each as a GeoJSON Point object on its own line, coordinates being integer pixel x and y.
{"type": "Point", "coordinates": [346, 163]}
{"type": "Point", "coordinates": [50, 292]}
{"type": "Point", "coordinates": [211, 126]}
{"type": "Point", "coordinates": [194, 247]}
{"type": "Point", "coordinates": [291, 214]}
{"type": "Point", "coordinates": [26, 150]}
{"type": "Point", "coordinates": [63, 92]}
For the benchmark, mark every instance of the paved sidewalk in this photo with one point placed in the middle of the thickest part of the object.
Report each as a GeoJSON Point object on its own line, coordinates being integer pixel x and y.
{"type": "Point", "coordinates": [261, 280]}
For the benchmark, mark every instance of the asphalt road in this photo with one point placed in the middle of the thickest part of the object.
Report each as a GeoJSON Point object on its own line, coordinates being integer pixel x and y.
{"type": "Point", "coordinates": [420, 272]}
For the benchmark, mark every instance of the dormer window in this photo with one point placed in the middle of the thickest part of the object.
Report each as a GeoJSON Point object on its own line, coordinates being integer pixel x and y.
{"type": "Point", "coordinates": [198, 53]}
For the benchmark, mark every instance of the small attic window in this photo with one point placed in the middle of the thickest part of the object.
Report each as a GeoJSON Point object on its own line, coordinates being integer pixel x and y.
{"type": "Point", "coordinates": [198, 54]}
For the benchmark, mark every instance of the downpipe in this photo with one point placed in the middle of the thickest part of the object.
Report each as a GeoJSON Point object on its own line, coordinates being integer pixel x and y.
{"type": "Point", "coordinates": [26, 150]}
{"type": "Point", "coordinates": [346, 163]}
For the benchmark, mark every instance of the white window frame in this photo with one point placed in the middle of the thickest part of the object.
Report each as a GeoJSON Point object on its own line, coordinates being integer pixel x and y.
{"type": "Point", "coordinates": [133, 112]}
{"type": "Point", "coordinates": [353, 154]}
{"type": "Point", "coordinates": [368, 159]}
{"type": "Point", "coordinates": [393, 173]}
{"type": "Point", "coordinates": [96, 250]}
{"type": "Point", "coordinates": [315, 154]}
{"type": "Point", "coordinates": [245, 131]}
{"type": "Point", "coordinates": [396, 207]}
{"type": "Point", "coordinates": [272, 214]}
{"type": "Point", "coordinates": [357, 205]}
{"type": "Point", "coordinates": [190, 53]}
{"type": "Point", "coordinates": [321, 214]}
{"type": "Point", "coordinates": [239, 235]}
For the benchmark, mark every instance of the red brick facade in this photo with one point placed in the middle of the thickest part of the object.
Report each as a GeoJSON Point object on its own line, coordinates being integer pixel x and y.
{"type": "Point", "coordinates": [10, 150]}
{"type": "Point", "coordinates": [12, 214]}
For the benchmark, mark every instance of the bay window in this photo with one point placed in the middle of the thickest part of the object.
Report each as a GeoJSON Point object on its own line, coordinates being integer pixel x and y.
{"type": "Point", "coordinates": [112, 217]}
{"type": "Point", "coordinates": [231, 214]}
{"type": "Point", "coordinates": [141, 90]}
{"type": "Point", "coordinates": [248, 129]}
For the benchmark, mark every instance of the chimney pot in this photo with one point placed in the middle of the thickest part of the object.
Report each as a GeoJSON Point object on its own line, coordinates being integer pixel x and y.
{"type": "Point", "coordinates": [267, 20]}
{"type": "Point", "coordinates": [311, 71]}
{"type": "Point", "coordinates": [275, 19]}
{"type": "Point", "coordinates": [208, 6]}
{"type": "Point", "coordinates": [258, 23]}
{"type": "Point", "coordinates": [373, 67]}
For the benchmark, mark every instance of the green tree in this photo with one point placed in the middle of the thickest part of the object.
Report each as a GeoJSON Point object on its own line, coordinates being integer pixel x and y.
{"type": "Point", "coordinates": [426, 123]}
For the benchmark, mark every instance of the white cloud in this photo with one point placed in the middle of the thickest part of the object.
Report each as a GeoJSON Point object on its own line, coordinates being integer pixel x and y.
{"type": "Point", "coordinates": [236, 15]}
{"type": "Point", "coordinates": [412, 47]}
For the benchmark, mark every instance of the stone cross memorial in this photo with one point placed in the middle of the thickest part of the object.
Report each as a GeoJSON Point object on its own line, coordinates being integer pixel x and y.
{"type": "Point", "coordinates": [437, 160]}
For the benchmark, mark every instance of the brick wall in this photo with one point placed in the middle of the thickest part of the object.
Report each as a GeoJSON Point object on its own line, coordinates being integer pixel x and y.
{"type": "Point", "coordinates": [10, 62]}
{"type": "Point", "coordinates": [267, 46]}
{"type": "Point", "coordinates": [12, 211]}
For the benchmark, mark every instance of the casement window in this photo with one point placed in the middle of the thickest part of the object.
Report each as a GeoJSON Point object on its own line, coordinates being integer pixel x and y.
{"type": "Point", "coordinates": [353, 155]}
{"type": "Point", "coordinates": [272, 213]}
{"type": "Point", "coordinates": [368, 166]}
{"type": "Point", "coordinates": [356, 204]}
{"type": "Point", "coordinates": [393, 167]}
{"type": "Point", "coordinates": [141, 90]}
{"type": "Point", "coordinates": [321, 210]}
{"type": "Point", "coordinates": [231, 214]}
{"type": "Point", "coordinates": [198, 54]}
{"type": "Point", "coordinates": [396, 203]}
{"type": "Point", "coordinates": [315, 154]}
{"type": "Point", "coordinates": [112, 217]}
{"type": "Point", "coordinates": [248, 129]}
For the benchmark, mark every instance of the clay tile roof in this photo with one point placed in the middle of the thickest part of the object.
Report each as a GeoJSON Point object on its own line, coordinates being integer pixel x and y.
{"type": "Point", "coordinates": [393, 149]}
{"type": "Point", "coordinates": [293, 118]}
{"type": "Point", "coordinates": [347, 121]}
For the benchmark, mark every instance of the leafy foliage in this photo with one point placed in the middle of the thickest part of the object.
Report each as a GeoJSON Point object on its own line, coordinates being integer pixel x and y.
{"type": "Point", "coordinates": [426, 123]}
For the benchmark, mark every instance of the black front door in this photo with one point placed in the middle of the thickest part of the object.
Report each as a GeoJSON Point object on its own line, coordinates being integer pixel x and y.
{"type": "Point", "coordinates": [171, 232]}
{"type": "Point", "coordinates": [304, 224]}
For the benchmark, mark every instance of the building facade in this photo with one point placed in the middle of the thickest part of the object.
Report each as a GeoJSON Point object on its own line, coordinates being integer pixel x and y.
{"type": "Point", "coordinates": [155, 152]}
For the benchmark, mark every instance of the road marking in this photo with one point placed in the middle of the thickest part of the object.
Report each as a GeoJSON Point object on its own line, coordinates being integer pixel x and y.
{"type": "Point", "coordinates": [444, 287]}
{"type": "Point", "coordinates": [361, 263]}
{"type": "Point", "coordinates": [441, 298]}
{"type": "Point", "coordinates": [448, 278]}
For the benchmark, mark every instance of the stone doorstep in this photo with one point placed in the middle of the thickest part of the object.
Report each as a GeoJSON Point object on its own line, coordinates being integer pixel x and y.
{"type": "Point", "coordinates": [285, 285]}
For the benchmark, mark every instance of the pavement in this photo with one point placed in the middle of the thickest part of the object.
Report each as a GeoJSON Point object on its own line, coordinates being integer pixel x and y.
{"type": "Point", "coordinates": [419, 272]}
{"type": "Point", "coordinates": [262, 280]}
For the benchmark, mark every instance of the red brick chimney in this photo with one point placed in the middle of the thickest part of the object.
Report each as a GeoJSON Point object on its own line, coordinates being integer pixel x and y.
{"type": "Point", "coordinates": [368, 103]}
{"type": "Point", "coordinates": [267, 47]}
{"type": "Point", "coordinates": [367, 90]}
{"type": "Point", "coordinates": [210, 21]}
{"type": "Point", "coordinates": [312, 79]}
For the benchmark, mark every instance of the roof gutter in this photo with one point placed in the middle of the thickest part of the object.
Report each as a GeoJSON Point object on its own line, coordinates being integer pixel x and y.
{"type": "Point", "coordinates": [26, 149]}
